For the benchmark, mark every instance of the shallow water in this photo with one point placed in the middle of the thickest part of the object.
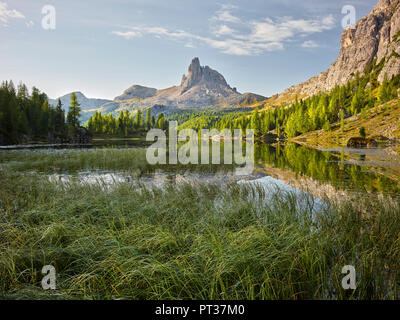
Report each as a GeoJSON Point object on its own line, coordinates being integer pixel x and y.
{"type": "Point", "coordinates": [272, 187]}
{"type": "Point", "coordinates": [352, 170]}
{"type": "Point", "coordinates": [158, 178]}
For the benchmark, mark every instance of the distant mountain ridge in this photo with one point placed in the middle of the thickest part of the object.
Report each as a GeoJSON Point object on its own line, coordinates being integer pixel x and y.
{"type": "Point", "coordinates": [136, 91]}
{"type": "Point", "coordinates": [202, 87]}
{"type": "Point", "coordinates": [87, 104]}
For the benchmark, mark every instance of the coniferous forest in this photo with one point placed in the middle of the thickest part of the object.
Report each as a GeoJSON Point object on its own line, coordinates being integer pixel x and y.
{"type": "Point", "coordinates": [304, 115]}
{"type": "Point", "coordinates": [125, 124]}
{"type": "Point", "coordinates": [27, 116]}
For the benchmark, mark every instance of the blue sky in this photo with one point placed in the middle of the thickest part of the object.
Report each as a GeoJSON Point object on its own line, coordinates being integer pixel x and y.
{"type": "Point", "coordinates": [102, 47]}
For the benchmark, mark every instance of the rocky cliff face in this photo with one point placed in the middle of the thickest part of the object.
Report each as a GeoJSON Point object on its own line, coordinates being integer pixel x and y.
{"type": "Point", "coordinates": [205, 78]}
{"type": "Point", "coordinates": [377, 35]}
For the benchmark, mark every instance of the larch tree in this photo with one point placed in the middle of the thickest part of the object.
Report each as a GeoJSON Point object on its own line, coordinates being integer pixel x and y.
{"type": "Point", "coordinates": [74, 112]}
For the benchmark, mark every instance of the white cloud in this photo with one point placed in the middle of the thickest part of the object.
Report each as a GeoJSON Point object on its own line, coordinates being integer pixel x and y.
{"type": "Point", "coordinates": [223, 30]}
{"type": "Point", "coordinates": [268, 31]}
{"type": "Point", "coordinates": [6, 14]}
{"type": "Point", "coordinates": [309, 26]}
{"type": "Point", "coordinates": [127, 35]}
{"type": "Point", "coordinates": [253, 38]}
{"type": "Point", "coordinates": [158, 32]}
{"type": "Point", "coordinates": [287, 28]}
{"type": "Point", "coordinates": [310, 44]}
{"type": "Point", "coordinates": [225, 15]}
{"type": "Point", "coordinates": [244, 48]}
{"type": "Point", "coordinates": [328, 21]}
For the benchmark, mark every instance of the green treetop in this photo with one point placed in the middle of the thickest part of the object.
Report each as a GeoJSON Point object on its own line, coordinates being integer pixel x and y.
{"type": "Point", "coordinates": [74, 112]}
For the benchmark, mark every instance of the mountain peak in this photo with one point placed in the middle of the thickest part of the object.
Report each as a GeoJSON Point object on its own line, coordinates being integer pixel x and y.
{"type": "Point", "coordinates": [194, 65]}
{"type": "Point", "coordinates": [201, 87]}
{"type": "Point", "coordinates": [137, 91]}
{"type": "Point", "coordinates": [195, 72]}
{"type": "Point", "coordinates": [372, 38]}
{"type": "Point", "coordinates": [78, 94]}
{"type": "Point", "coordinates": [202, 76]}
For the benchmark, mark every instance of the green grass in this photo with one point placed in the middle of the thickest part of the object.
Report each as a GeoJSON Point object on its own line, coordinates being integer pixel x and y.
{"type": "Point", "coordinates": [71, 161]}
{"type": "Point", "coordinates": [190, 242]}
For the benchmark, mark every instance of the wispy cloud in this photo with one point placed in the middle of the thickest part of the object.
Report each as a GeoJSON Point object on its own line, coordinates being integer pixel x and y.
{"type": "Point", "coordinates": [127, 34]}
{"type": "Point", "coordinates": [310, 44]}
{"type": "Point", "coordinates": [225, 14]}
{"type": "Point", "coordinates": [243, 47]}
{"type": "Point", "coordinates": [287, 28]}
{"type": "Point", "coordinates": [232, 36]}
{"type": "Point", "coordinates": [7, 14]}
{"type": "Point", "coordinates": [223, 30]}
{"type": "Point", "coordinates": [190, 45]}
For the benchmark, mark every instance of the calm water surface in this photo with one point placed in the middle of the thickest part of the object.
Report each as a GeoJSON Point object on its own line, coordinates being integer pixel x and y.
{"type": "Point", "coordinates": [353, 170]}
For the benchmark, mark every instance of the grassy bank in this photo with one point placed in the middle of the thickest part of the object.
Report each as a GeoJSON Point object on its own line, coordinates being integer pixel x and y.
{"type": "Point", "coordinates": [379, 121]}
{"type": "Point", "coordinates": [203, 242]}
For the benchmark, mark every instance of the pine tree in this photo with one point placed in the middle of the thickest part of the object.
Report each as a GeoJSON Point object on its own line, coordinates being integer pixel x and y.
{"type": "Point", "coordinates": [342, 120]}
{"type": "Point", "coordinates": [160, 121]}
{"type": "Point", "coordinates": [138, 120]}
{"type": "Point", "coordinates": [148, 119]}
{"type": "Point", "coordinates": [255, 123]}
{"type": "Point", "coordinates": [383, 93]}
{"type": "Point", "coordinates": [363, 134]}
{"type": "Point", "coordinates": [121, 124]}
{"type": "Point", "coordinates": [59, 118]}
{"type": "Point", "coordinates": [44, 118]}
{"type": "Point", "coordinates": [74, 112]}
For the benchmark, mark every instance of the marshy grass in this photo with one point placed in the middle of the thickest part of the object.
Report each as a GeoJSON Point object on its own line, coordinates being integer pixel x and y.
{"type": "Point", "coordinates": [131, 160]}
{"type": "Point", "coordinates": [190, 242]}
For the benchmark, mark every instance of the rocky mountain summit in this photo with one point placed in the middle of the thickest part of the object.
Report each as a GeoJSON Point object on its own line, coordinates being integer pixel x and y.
{"type": "Point", "coordinates": [205, 80]}
{"type": "Point", "coordinates": [376, 37]}
{"type": "Point", "coordinates": [201, 87]}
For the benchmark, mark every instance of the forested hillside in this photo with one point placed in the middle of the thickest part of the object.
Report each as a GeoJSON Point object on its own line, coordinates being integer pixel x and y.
{"type": "Point", "coordinates": [25, 116]}
{"type": "Point", "coordinates": [126, 123]}
{"type": "Point", "coordinates": [317, 112]}
{"type": "Point", "coordinates": [28, 117]}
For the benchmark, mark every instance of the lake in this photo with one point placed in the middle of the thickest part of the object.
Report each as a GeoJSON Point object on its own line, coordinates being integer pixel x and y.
{"type": "Point", "coordinates": [332, 172]}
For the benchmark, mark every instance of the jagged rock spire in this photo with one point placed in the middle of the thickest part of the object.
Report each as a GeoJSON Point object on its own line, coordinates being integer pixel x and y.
{"type": "Point", "coordinates": [202, 75]}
